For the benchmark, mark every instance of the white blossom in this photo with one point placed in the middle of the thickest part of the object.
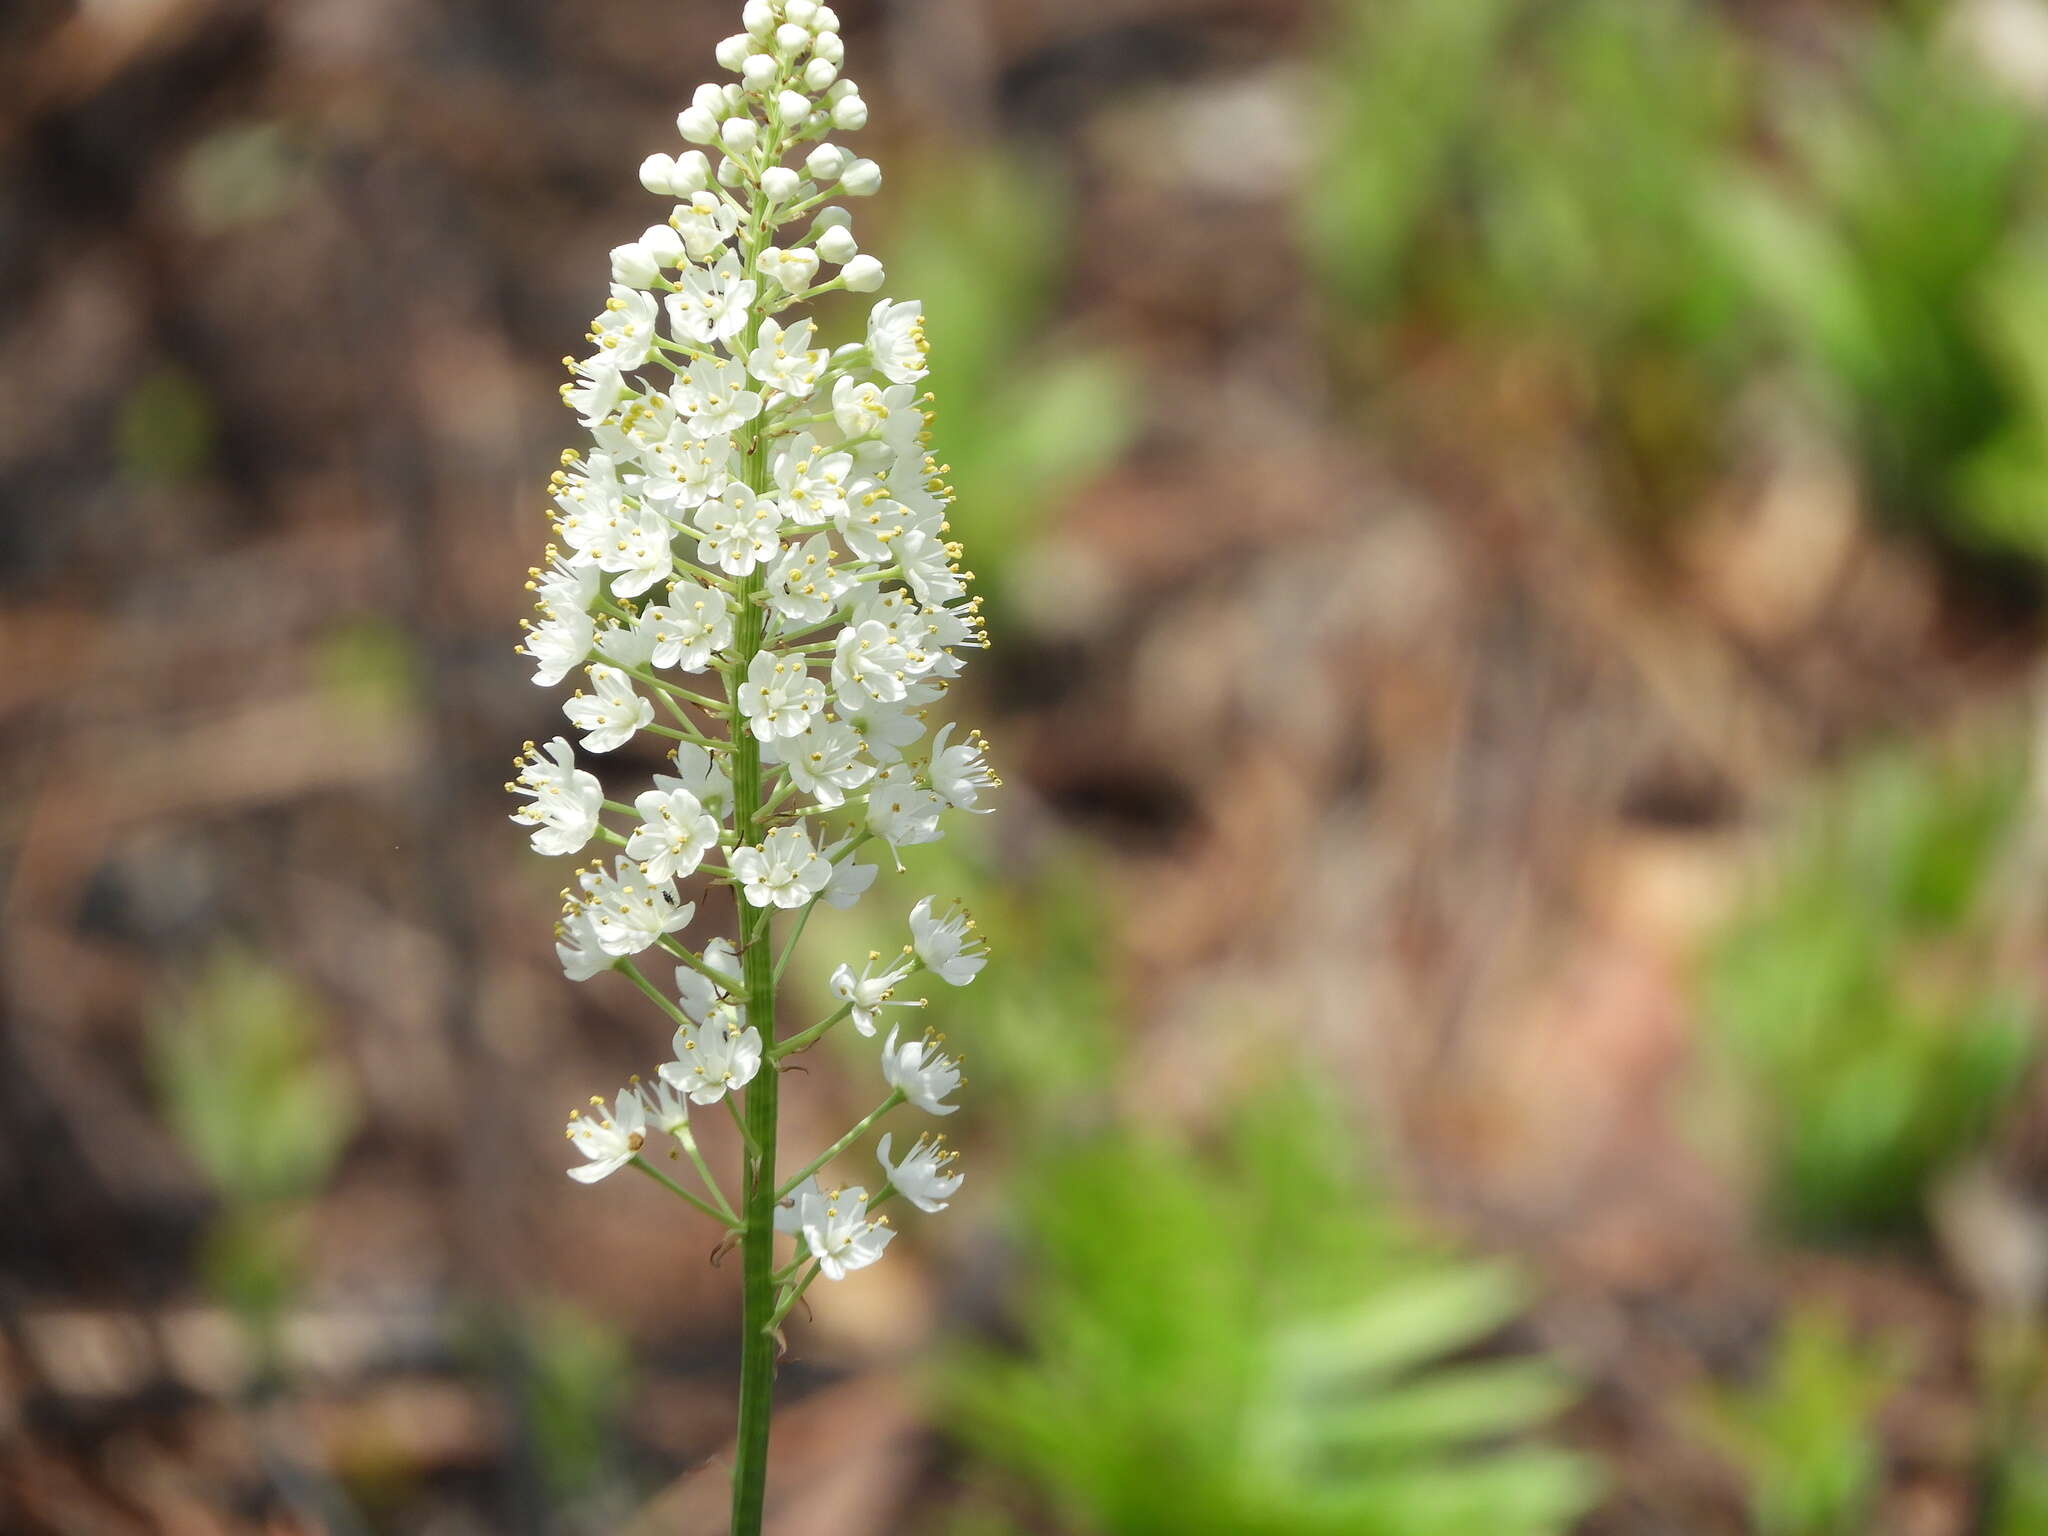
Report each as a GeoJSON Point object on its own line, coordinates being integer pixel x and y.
{"type": "Point", "coordinates": [901, 811]}
{"type": "Point", "coordinates": [784, 358]}
{"type": "Point", "coordinates": [825, 761]}
{"type": "Point", "coordinates": [565, 798]}
{"type": "Point", "coordinates": [922, 1177]}
{"type": "Point", "coordinates": [713, 398]}
{"type": "Point", "coordinates": [835, 1227]}
{"type": "Point", "coordinates": [609, 717]}
{"type": "Point", "coordinates": [784, 871]}
{"type": "Point", "coordinates": [608, 1141]}
{"type": "Point", "coordinates": [868, 993]}
{"type": "Point", "coordinates": [947, 945]}
{"type": "Point", "coordinates": [628, 910]}
{"type": "Point", "coordinates": [780, 697]}
{"type": "Point", "coordinates": [959, 774]}
{"type": "Point", "coordinates": [673, 836]}
{"type": "Point", "coordinates": [738, 530]}
{"type": "Point", "coordinates": [714, 1058]}
{"type": "Point", "coordinates": [921, 1072]}
{"type": "Point", "coordinates": [896, 340]}
{"type": "Point", "coordinates": [711, 302]}
{"type": "Point", "coordinates": [688, 628]}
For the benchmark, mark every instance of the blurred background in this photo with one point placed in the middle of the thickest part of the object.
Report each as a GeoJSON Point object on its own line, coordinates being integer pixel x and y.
{"type": "Point", "coordinates": [1516, 536]}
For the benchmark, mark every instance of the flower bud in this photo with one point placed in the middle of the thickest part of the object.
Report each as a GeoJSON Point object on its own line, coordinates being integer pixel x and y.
{"type": "Point", "coordinates": [710, 98]}
{"type": "Point", "coordinates": [760, 71]}
{"type": "Point", "coordinates": [849, 113]}
{"type": "Point", "coordinates": [801, 12]}
{"type": "Point", "coordinates": [634, 266]}
{"type": "Point", "coordinates": [790, 39]}
{"type": "Point", "coordinates": [863, 274]}
{"type": "Point", "coordinates": [826, 20]}
{"type": "Point", "coordinates": [820, 73]}
{"type": "Point", "coordinates": [780, 183]}
{"type": "Point", "coordinates": [826, 162]}
{"type": "Point", "coordinates": [794, 106]}
{"type": "Point", "coordinates": [663, 244]}
{"type": "Point", "coordinates": [832, 217]}
{"type": "Point", "coordinates": [758, 17]}
{"type": "Point", "coordinates": [697, 125]}
{"type": "Point", "coordinates": [692, 173]}
{"type": "Point", "coordinates": [863, 178]}
{"type": "Point", "coordinates": [657, 174]}
{"type": "Point", "coordinates": [826, 45]}
{"type": "Point", "coordinates": [731, 172]}
{"type": "Point", "coordinates": [739, 134]}
{"type": "Point", "coordinates": [837, 245]}
{"type": "Point", "coordinates": [733, 51]}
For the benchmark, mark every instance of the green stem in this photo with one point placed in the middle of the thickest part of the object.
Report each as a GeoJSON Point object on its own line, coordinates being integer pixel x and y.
{"type": "Point", "coordinates": [757, 1337]}
{"type": "Point", "coordinates": [810, 1036]}
{"type": "Point", "coordinates": [842, 1143]}
{"type": "Point", "coordinates": [681, 1193]}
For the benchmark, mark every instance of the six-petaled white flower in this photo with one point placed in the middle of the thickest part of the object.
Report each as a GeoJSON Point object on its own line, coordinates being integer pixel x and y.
{"type": "Point", "coordinates": [921, 1072]}
{"type": "Point", "coordinates": [835, 1227]}
{"type": "Point", "coordinates": [868, 993]}
{"type": "Point", "coordinates": [785, 871]}
{"type": "Point", "coordinates": [922, 1177]}
{"type": "Point", "coordinates": [563, 812]}
{"type": "Point", "coordinates": [947, 945]}
{"type": "Point", "coordinates": [609, 717]}
{"type": "Point", "coordinates": [608, 1141]}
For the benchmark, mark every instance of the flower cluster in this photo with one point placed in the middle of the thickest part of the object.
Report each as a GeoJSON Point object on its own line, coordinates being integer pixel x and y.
{"type": "Point", "coordinates": [753, 572]}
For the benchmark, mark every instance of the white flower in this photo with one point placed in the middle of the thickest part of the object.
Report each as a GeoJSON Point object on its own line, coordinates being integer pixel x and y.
{"type": "Point", "coordinates": [609, 1142]}
{"type": "Point", "coordinates": [861, 407]}
{"type": "Point", "coordinates": [641, 554]}
{"type": "Point", "coordinates": [702, 775]}
{"type": "Point", "coordinates": [921, 1178]}
{"type": "Point", "coordinates": [626, 327]}
{"type": "Point", "coordinates": [870, 666]}
{"type": "Point", "coordinates": [884, 729]}
{"type": "Point", "coordinates": [863, 274]}
{"type": "Point", "coordinates": [813, 482]}
{"type": "Point", "coordinates": [825, 761]}
{"type": "Point", "coordinates": [609, 718]}
{"type": "Point", "coordinates": [947, 945]}
{"type": "Point", "coordinates": [867, 993]}
{"type": "Point", "coordinates": [792, 269]}
{"type": "Point", "coordinates": [780, 697]}
{"type": "Point", "coordinates": [673, 836]}
{"type": "Point", "coordinates": [705, 222]}
{"type": "Point", "coordinates": [896, 340]}
{"type": "Point", "coordinates": [739, 530]}
{"type": "Point", "coordinates": [784, 359]}
{"type": "Point", "coordinates": [599, 386]}
{"type": "Point", "coordinates": [713, 1058]}
{"type": "Point", "coordinates": [848, 879]}
{"type": "Point", "coordinates": [901, 811]}
{"type": "Point", "coordinates": [711, 302]}
{"type": "Point", "coordinates": [835, 1226]}
{"type": "Point", "coordinates": [959, 774]}
{"type": "Point", "coordinates": [564, 588]}
{"type": "Point", "coordinates": [785, 871]}
{"type": "Point", "coordinates": [576, 946]}
{"type": "Point", "coordinates": [803, 587]}
{"type": "Point", "coordinates": [713, 397]}
{"type": "Point", "coordinates": [921, 1072]}
{"type": "Point", "coordinates": [558, 644]}
{"type": "Point", "coordinates": [627, 644]}
{"type": "Point", "coordinates": [629, 912]}
{"type": "Point", "coordinates": [684, 631]}
{"type": "Point", "coordinates": [565, 803]}
{"type": "Point", "coordinates": [667, 1111]}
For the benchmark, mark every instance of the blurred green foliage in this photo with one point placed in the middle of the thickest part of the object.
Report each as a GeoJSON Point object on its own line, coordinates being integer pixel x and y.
{"type": "Point", "coordinates": [574, 1392]}
{"type": "Point", "coordinates": [1251, 1341]}
{"type": "Point", "coordinates": [1868, 1037]}
{"type": "Point", "coordinates": [1664, 205]}
{"type": "Point", "coordinates": [248, 1088]}
{"type": "Point", "coordinates": [1022, 425]}
{"type": "Point", "coordinates": [164, 432]}
{"type": "Point", "coordinates": [1802, 1435]}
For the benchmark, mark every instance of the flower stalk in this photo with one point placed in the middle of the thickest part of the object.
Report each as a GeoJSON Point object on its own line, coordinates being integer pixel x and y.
{"type": "Point", "coordinates": [755, 540]}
